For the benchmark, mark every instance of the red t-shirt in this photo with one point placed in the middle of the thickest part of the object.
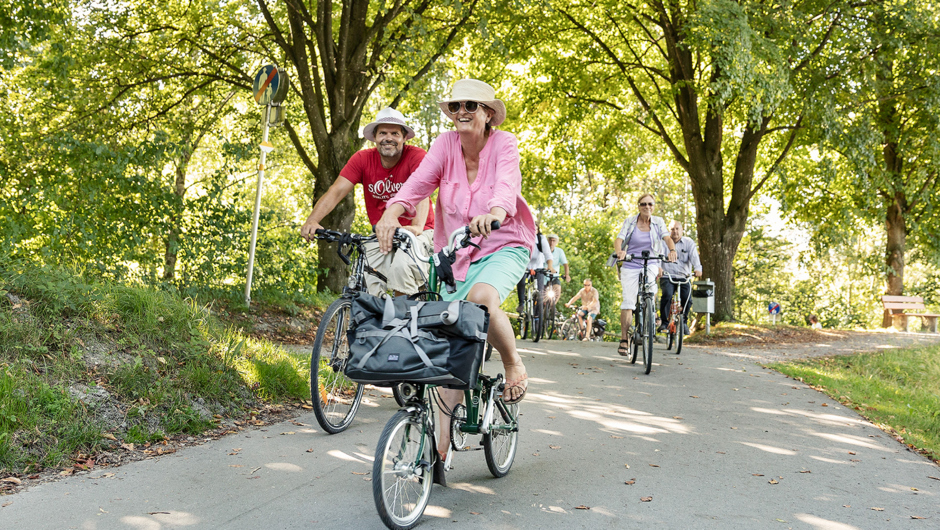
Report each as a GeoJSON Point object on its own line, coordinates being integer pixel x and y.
{"type": "Point", "coordinates": [379, 185]}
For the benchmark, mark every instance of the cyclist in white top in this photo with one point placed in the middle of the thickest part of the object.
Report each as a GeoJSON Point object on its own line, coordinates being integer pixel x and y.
{"type": "Point", "coordinates": [541, 258]}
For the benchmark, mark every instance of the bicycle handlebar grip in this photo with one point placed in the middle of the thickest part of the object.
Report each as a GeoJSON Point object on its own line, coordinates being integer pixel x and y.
{"type": "Point", "coordinates": [495, 225]}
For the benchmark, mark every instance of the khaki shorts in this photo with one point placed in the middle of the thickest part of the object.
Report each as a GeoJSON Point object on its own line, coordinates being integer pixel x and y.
{"type": "Point", "coordinates": [406, 273]}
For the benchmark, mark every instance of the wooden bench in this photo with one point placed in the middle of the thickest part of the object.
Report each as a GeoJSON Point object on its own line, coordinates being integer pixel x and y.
{"type": "Point", "coordinates": [908, 303]}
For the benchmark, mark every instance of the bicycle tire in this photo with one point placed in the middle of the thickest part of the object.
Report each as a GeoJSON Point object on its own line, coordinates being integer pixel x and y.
{"type": "Point", "coordinates": [650, 335]}
{"type": "Point", "coordinates": [499, 445]}
{"type": "Point", "coordinates": [403, 471]}
{"type": "Point", "coordinates": [537, 316]}
{"type": "Point", "coordinates": [566, 331]}
{"type": "Point", "coordinates": [336, 403]}
{"type": "Point", "coordinates": [524, 324]}
{"type": "Point", "coordinates": [680, 331]}
{"type": "Point", "coordinates": [671, 338]}
{"type": "Point", "coordinates": [400, 397]}
{"type": "Point", "coordinates": [635, 339]}
{"type": "Point", "coordinates": [550, 321]}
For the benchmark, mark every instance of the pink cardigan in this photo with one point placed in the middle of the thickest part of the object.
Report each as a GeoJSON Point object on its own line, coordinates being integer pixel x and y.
{"type": "Point", "coordinates": [498, 183]}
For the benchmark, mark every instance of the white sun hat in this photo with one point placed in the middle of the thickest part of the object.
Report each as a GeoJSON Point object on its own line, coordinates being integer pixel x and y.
{"type": "Point", "coordinates": [388, 116]}
{"type": "Point", "coordinates": [474, 90]}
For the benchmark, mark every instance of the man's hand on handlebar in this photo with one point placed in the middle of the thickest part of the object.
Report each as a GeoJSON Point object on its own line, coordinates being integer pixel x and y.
{"type": "Point", "coordinates": [309, 229]}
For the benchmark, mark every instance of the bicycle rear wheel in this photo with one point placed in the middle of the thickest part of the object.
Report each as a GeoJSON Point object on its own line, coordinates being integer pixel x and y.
{"type": "Point", "coordinates": [537, 320]}
{"type": "Point", "coordinates": [335, 398]}
{"type": "Point", "coordinates": [403, 471]}
{"type": "Point", "coordinates": [500, 444]}
{"type": "Point", "coordinates": [649, 334]}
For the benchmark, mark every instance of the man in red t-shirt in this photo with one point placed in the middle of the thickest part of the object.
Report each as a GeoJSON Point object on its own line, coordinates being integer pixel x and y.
{"type": "Point", "coordinates": [382, 170]}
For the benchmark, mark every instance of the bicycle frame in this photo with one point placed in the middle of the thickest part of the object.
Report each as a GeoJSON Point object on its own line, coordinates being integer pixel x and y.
{"type": "Point", "coordinates": [484, 393]}
{"type": "Point", "coordinates": [674, 302]}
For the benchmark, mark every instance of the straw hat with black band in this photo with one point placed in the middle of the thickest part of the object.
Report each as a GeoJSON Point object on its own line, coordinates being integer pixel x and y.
{"type": "Point", "coordinates": [475, 90]}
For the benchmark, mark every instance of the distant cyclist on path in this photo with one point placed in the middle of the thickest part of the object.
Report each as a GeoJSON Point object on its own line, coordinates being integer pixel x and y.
{"type": "Point", "coordinates": [686, 263]}
{"type": "Point", "coordinates": [640, 232]}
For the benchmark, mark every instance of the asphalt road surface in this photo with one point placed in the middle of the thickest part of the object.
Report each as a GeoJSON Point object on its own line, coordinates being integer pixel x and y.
{"type": "Point", "coordinates": [709, 439]}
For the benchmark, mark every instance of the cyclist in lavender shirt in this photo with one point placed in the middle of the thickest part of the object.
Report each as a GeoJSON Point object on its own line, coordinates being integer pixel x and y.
{"type": "Point", "coordinates": [640, 232]}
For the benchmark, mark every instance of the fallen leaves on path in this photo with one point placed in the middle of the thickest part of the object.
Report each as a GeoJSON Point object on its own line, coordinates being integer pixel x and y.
{"type": "Point", "coordinates": [582, 507]}
{"type": "Point", "coordinates": [646, 499]}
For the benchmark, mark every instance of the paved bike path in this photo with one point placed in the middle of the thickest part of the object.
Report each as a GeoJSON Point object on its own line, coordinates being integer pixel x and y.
{"type": "Point", "coordinates": [705, 441]}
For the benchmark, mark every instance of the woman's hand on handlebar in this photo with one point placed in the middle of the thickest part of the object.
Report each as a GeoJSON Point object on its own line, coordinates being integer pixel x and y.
{"type": "Point", "coordinates": [385, 230]}
{"type": "Point", "coordinates": [621, 254]}
{"type": "Point", "coordinates": [482, 225]}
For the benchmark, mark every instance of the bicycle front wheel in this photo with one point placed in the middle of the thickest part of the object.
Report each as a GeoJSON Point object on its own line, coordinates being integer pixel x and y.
{"type": "Point", "coordinates": [680, 331]}
{"type": "Point", "coordinates": [524, 324]}
{"type": "Point", "coordinates": [335, 398]}
{"type": "Point", "coordinates": [649, 332]}
{"type": "Point", "coordinates": [550, 322]}
{"type": "Point", "coordinates": [500, 444]}
{"type": "Point", "coordinates": [402, 472]}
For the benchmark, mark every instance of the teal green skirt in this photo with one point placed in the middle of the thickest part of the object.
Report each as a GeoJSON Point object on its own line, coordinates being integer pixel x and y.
{"type": "Point", "coordinates": [502, 269]}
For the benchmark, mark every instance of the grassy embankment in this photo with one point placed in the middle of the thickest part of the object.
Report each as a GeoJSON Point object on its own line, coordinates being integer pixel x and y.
{"type": "Point", "coordinates": [898, 390]}
{"type": "Point", "coordinates": [86, 366]}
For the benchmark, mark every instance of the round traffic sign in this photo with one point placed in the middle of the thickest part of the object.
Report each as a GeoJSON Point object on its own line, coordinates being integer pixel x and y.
{"type": "Point", "coordinates": [270, 85]}
{"type": "Point", "coordinates": [773, 308]}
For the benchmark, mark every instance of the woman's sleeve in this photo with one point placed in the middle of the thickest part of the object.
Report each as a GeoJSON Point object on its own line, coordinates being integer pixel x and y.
{"type": "Point", "coordinates": [623, 229]}
{"type": "Point", "coordinates": [508, 177]}
{"type": "Point", "coordinates": [425, 179]}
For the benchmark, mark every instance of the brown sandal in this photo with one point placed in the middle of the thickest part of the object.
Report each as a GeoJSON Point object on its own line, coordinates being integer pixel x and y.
{"type": "Point", "coordinates": [624, 348]}
{"type": "Point", "coordinates": [521, 383]}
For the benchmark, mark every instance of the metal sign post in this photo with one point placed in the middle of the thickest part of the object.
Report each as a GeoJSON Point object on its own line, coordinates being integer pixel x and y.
{"type": "Point", "coordinates": [270, 89]}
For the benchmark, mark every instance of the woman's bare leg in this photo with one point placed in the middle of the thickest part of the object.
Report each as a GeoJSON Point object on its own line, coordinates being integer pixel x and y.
{"type": "Point", "coordinates": [626, 320]}
{"type": "Point", "coordinates": [500, 335]}
{"type": "Point", "coordinates": [451, 398]}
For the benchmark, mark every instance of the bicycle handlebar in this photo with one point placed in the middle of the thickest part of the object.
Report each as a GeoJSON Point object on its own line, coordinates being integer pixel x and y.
{"type": "Point", "coordinates": [403, 239]}
{"type": "Point", "coordinates": [631, 257]}
{"type": "Point", "coordinates": [454, 246]}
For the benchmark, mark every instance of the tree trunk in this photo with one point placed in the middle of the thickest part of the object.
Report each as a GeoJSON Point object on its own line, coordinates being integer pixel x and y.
{"type": "Point", "coordinates": [895, 201]}
{"type": "Point", "coordinates": [174, 230]}
{"type": "Point", "coordinates": [894, 251]}
{"type": "Point", "coordinates": [720, 230]}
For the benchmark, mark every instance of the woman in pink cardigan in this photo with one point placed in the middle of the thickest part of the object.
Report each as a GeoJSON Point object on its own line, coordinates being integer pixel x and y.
{"type": "Point", "coordinates": [476, 168]}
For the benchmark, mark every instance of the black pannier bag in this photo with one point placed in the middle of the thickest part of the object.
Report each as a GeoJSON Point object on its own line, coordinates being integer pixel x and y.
{"type": "Point", "coordinates": [395, 340]}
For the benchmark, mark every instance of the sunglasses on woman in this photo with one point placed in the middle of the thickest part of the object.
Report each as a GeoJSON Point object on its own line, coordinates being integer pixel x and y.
{"type": "Point", "coordinates": [470, 106]}
{"type": "Point", "coordinates": [646, 204]}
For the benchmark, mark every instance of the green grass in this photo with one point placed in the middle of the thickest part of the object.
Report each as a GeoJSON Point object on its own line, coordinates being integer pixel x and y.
{"type": "Point", "coordinates": [899, 390]}
{"type": "Point", "coordinates": [166, 364]}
